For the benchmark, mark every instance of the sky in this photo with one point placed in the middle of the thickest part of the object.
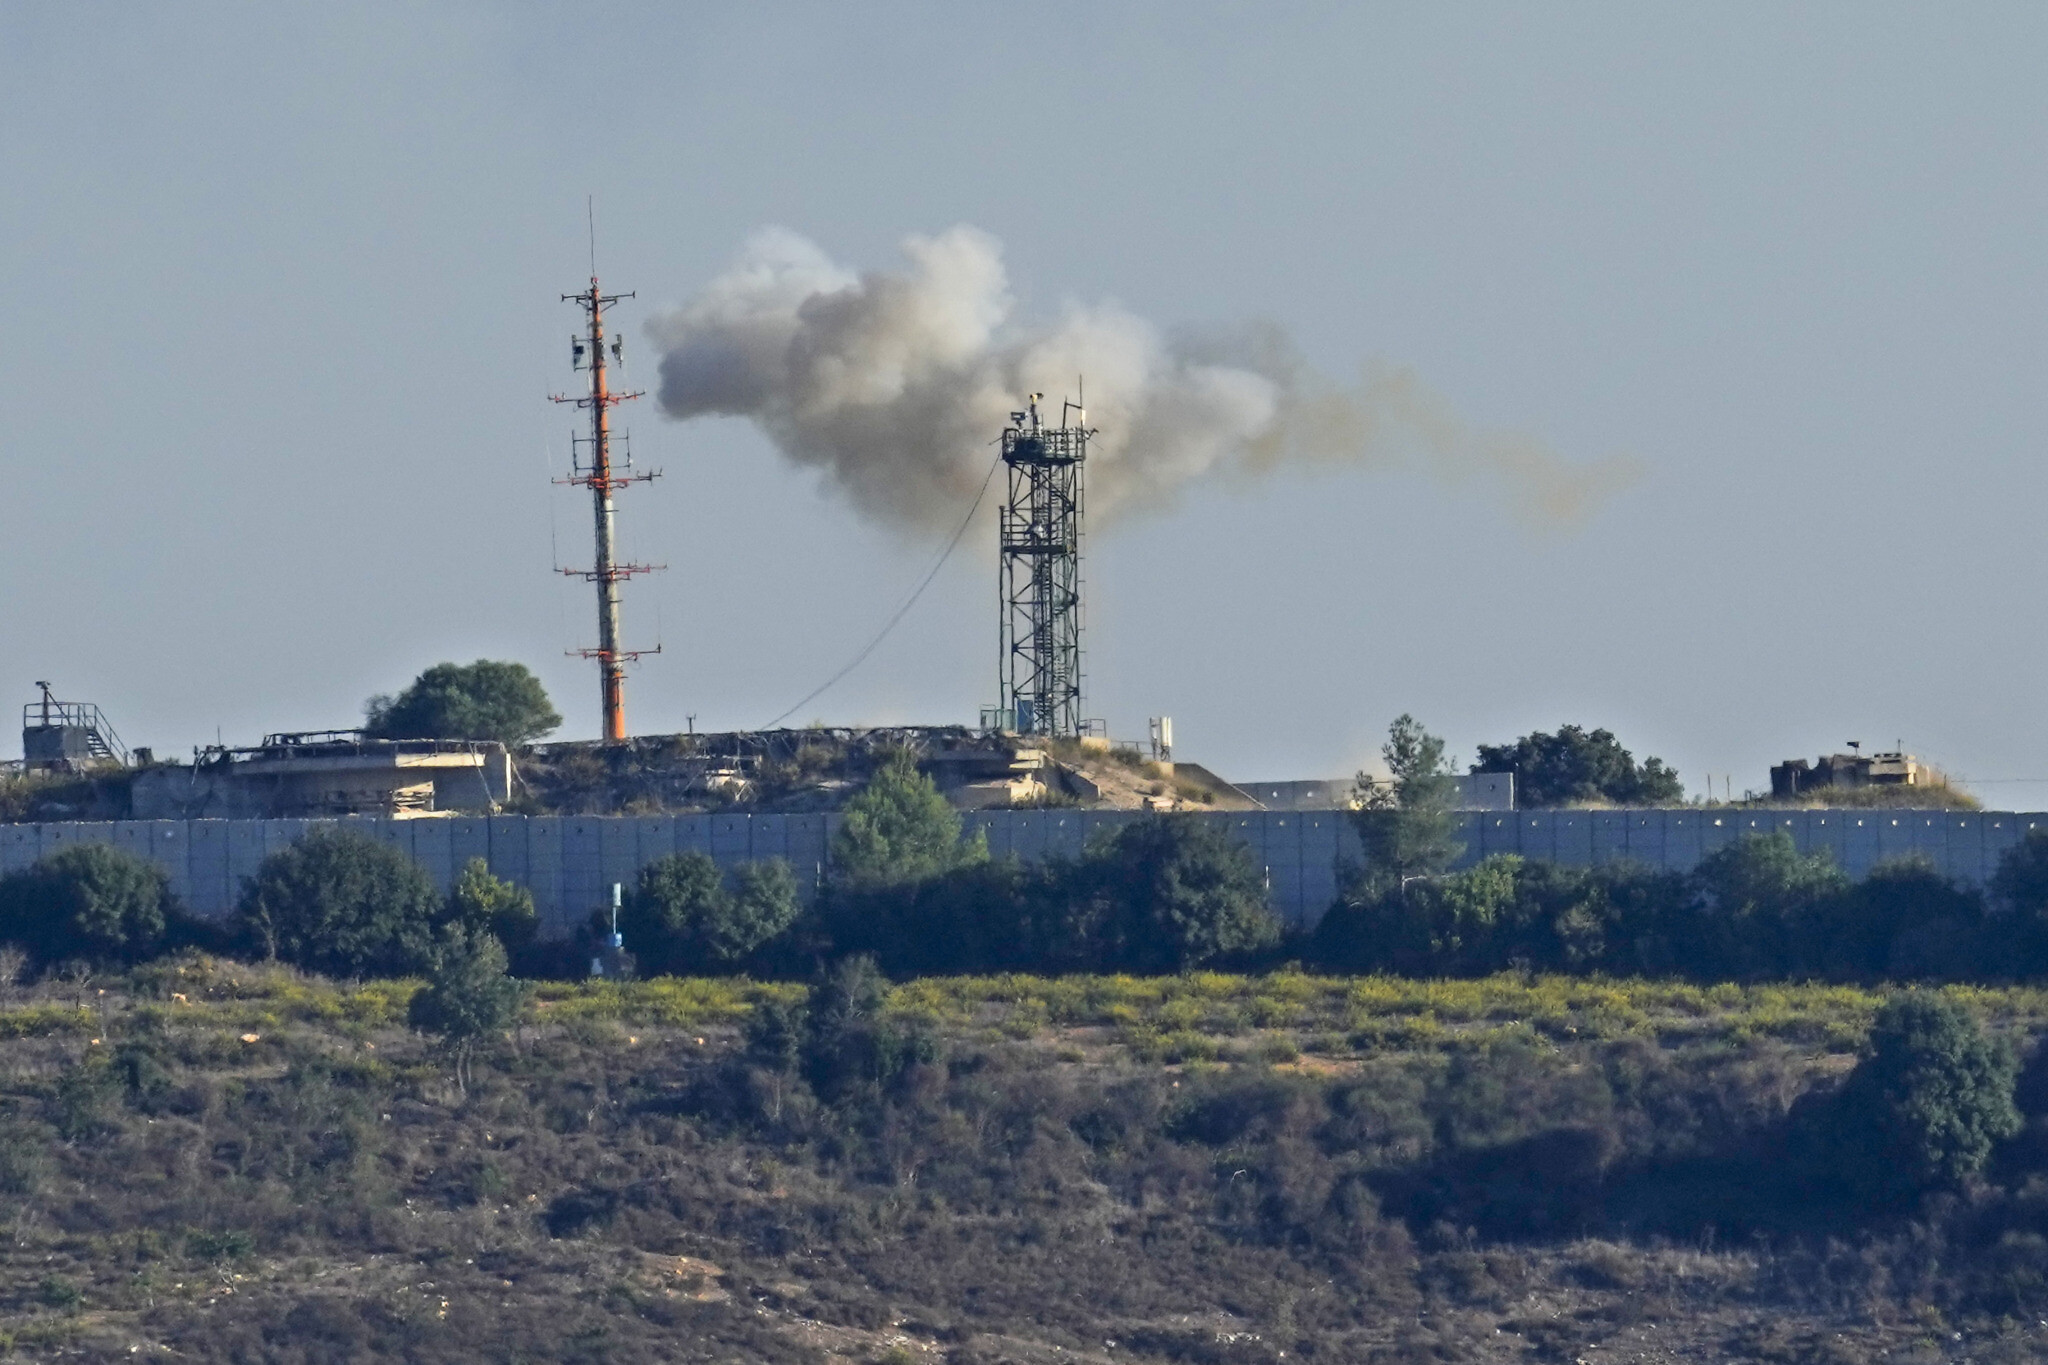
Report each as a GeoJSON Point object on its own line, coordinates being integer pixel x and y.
{"type": "Point", "coordinates": [282, 293]}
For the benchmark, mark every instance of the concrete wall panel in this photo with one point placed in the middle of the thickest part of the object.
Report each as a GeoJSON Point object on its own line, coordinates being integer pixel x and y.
{"type": "Point", "coordinates": [1319, 853]}
{"type": "Point", "coordinates": [1467, 830]}
{"type": "Point", "coordinates": [469, 836]}
{"type": "Point", "coordinates": [618, 854]}
{"type": "Point", "coordinates": [732, 839]}
{"type": "Point", "coordinates": [1824, 834]}
{"type": "Point", "coordinates": [1862, 844]}
{"type": "Point", "coordinates": [1965, 846]}
{"type": "Point", "coordinates": [1065, 833]}
{"type": "Point", "coordinates": [545, 852]}
{"type": "Point", "coordinates": [693, 834]}
{"type": "Point", "coordinates": [2001, 831]}
{"type": "Point", "coordinates": [809, 852]}
{"type": "Point", "coordinates": [1646, 837]}
{"type": "Point", "coordinates": [1610, 835]}
{"type": "Point", "coordinates": [583, 885]}
{"type": "Point", "coordinates": [20, 845]}
{"type": "Point", "coordinates": [432, 849]}
{"type": "Point", "coordinates": [1571, 833]}
{"type": "Point", "coordinates": [508, 848]}
{"type": "Point", "coordinates": [1499, 834]}
{"type": "Point", "coordinates": [209, 864]}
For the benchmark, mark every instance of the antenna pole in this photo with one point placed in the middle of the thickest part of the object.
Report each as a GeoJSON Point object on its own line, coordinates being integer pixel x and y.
{"type": "Point", "coordinates": [593, 467]}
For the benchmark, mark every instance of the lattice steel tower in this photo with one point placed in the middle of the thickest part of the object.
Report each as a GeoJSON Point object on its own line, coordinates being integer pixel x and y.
{"type": "Point", "coordinates": [592, 467]}
{"type": "Point", "coordinates": [1040, 531]}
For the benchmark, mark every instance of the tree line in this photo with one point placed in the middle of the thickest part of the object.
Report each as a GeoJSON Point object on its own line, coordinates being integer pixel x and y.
{"type": "Point", "coordinates": [1159, 894]}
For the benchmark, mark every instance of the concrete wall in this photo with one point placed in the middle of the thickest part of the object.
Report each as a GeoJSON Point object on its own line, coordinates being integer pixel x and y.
{"type": "Point", "coordinates": [570, 862]}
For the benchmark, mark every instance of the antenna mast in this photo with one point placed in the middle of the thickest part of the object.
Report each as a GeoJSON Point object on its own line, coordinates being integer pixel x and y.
{"type": "Point", "coordinates": [592, 467]}
{"type": "Point", "coordinates": [1039, 530]}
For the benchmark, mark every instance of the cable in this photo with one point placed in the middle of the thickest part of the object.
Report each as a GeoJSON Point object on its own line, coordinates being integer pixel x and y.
{"type": "Point", "coordinates": [909, 602]}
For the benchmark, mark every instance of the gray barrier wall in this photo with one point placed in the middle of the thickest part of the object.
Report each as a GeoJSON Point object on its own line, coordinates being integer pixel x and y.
{"type": "Point", "coordinates": [570, 862]}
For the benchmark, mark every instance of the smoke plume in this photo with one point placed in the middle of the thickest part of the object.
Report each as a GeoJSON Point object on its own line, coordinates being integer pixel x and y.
{"type": "Point", "coordinates": [893, 384]}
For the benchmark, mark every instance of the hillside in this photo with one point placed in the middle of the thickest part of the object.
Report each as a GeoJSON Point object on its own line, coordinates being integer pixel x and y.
{"type": "Point", "coordinates": [219, 1162]}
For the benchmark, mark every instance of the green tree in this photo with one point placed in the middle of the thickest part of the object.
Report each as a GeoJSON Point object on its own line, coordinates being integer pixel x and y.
{"type": "Point", "coordinates": [683, 917]}
{"type": "Point", "coordinates": [484, 700]}
{"type": "Point", "coordinates": [900, 830]}
{"type": "Point", "coordinates": [1167, 893]}
{"type": "Point", "coordinates": [1766, 908]}
{"type": "Point", "coordinates": [1408, 826]}
{"type": "Point", "coordinates": [1451, 924]}
{"type": "Point", "coordinates": [486, 904]}
{"type": "Point", "coordinates": [852, 1046]}
{"type": "Point", "coordinates": [468, 996]}
{"type": "Point", "coordinates": [2019, 889]}
{"type": "Point", "coordinates": [1574, 767]}
{"type": "Point", "coordinates": [91, 902]}
{"type": "Point", "coordinates": [1906, 921]}
{"type": "Point", "coordinates": [342, 903]}
{"type": "Point", "coordinates": [1927, 1103]}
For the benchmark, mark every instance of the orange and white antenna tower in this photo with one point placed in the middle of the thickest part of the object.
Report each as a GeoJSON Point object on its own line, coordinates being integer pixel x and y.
{"type": "Point", "coordinates": [592, 466]}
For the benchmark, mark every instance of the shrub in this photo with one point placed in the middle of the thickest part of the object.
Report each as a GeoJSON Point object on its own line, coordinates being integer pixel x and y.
{"type": "Point", "coordinates": [92, 902]}
{"type": "Point", "coordinates": [850, 1047]}
{"type": "Point", "coordinates": [1767, 907]}
{"type": "Point", "coordinates": [1408, 829]}
{"type": "Point", "coordinates": [1161, 894]}
{"type": "Point", "coordinates": [900, 830]}
{"type": "Point", "coordinates": [340, 902]}
{"type": "Point", "coordinates": [684, 918]}
{"type": "Point", "coordinates": [468, 996]}
{"type": "Point", "coordinates": [1573, 767]}
{"type": "Point", "coordinates": [1927, 1102]}
{"type": "Point", "coordinates": [485, 904]}
{"type": "Point", "coordinates": [483, 700]}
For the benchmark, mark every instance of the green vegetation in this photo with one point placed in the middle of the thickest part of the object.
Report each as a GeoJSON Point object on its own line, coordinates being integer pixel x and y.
{"type": "Point", "coordinates": [1928, 1104]}
{"type": "Point", "coordinates": [686, 917]}
{"type": "Point", "coordinates": [1574, 768]}
{"type": "Point", "coordinates": [1407, 827]}
{"type": "Point", "coordinates": [221, 1161]}
{"type": "Point", "coordinates": [1753, 910]}
{"type": "Point", "coordinates": [468, 996]}
{"type": "Point", "coordinates": [485, 904]}
{"type": "Point", "coordinates": [900, 830]}
{"type": "Point", "coordinates": [94, 904]}
{"type": "Point", "coordinates": [484, 700]}
{"type": "Point", "coordinates": [340, 902]}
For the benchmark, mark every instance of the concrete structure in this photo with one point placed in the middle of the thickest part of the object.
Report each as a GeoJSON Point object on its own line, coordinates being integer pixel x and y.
{"type": "Point", "coordinates": [337, 773]}
{"type": "Point", "coordinates": [1476, 791]}
{"type": "Point", "coordinates": [1797, 777]}
{"type": "Point", "coordinates": [569, 862]}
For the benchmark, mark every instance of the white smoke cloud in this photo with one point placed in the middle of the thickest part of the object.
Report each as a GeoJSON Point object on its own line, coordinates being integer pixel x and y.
{"type": "Point", "coordinates": [893, 384]}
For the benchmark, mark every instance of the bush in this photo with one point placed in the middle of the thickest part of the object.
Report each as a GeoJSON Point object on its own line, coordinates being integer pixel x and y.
{"type": "Point", "coordinates": [1767, 907]}
{"type": "Point", "coordinates": [1162, 894]}
{"type": "Point", "coordinates": [342, 903]}
{"type": "Point", "coordinates": [683, 918]}
{"type": "Point", "coordinates": [1573, 767]}
{"type": "Point", "coordinates": [468, 996]}
{"type": "Point", "coordinates": [1926, 1104]}
{"type": "Point", "coordinates": [92, 902]}
{"type": "Point", "coordinates": [993, 916]}
{"type": "Point", "coordinates": [899, 830]}
{"type": "Point", "coordinates": [484, 700]}
{"type": "Point", "coordinates": [850, 1048]}
{"type": "Point", "coordinates": [1408, 829]}
{"type": "Point", "coordinates": [485, 904]}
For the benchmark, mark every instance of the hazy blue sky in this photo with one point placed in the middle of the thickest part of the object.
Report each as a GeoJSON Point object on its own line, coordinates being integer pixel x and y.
{"type": "Point", "coordinates": [280, 288]}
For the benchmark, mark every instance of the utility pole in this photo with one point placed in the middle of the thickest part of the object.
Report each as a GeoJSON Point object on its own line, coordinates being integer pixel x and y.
{"type": "Point", "coordinates": [592, 467]}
